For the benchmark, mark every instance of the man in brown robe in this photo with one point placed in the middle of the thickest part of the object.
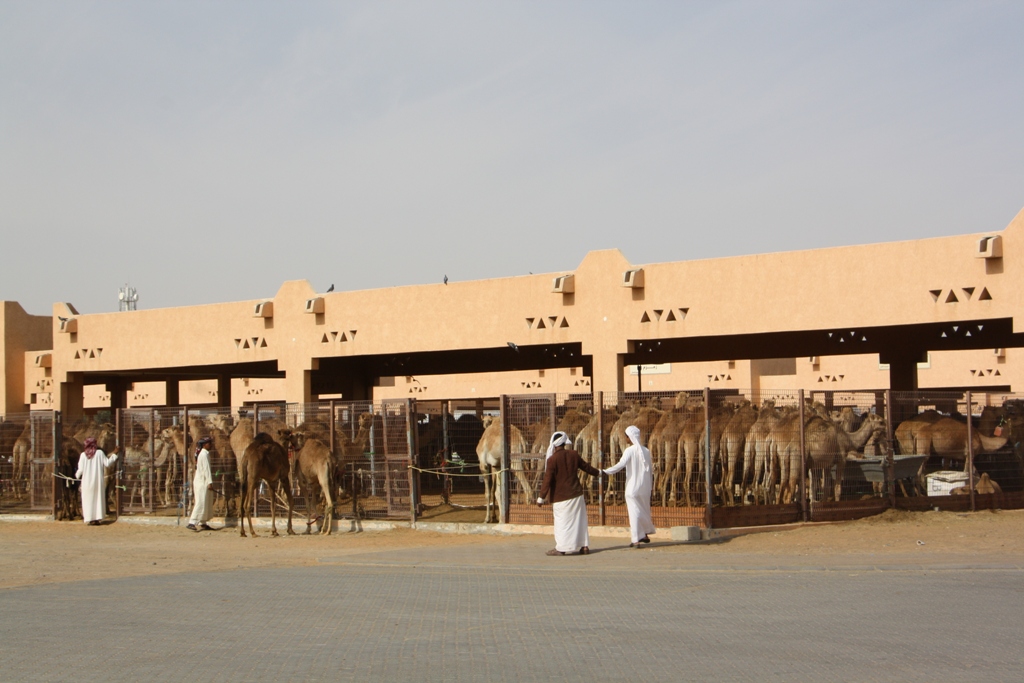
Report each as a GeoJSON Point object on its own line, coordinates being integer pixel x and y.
{"type": "Point", "coordinates": [562, 488]}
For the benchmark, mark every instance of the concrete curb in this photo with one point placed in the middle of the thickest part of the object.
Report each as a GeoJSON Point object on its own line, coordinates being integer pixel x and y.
{"type": "Point", "coordinates": [678, 534]}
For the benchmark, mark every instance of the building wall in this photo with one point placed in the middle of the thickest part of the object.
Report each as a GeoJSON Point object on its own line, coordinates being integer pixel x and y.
{"type": "Point", "coordinates": [21, 336]}
{"type": "Point", "coordinates": [939, 280]}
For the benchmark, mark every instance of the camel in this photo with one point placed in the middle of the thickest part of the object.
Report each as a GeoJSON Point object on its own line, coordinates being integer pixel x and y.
{"type": "Point", "coordinates": [756, 457]}
{"type": "Point", "coordinates": [489, 452]}
{"type": "Point", "coordinates": [734, 439]}
{"type": "Point", "coordinates": [314, 462]}
{"type": "Point", "coordinates": [720, 418]}
{"type": "Point", "coordinates": [587, 444]}
{"type": "Point", "coordinates": [984, 486]}
{"type": "Point", "coordinates": [264, 458]}
{"type": "Point", "coordinates": [947, 438]}
{"type": "Point", "coordinates": [664, 447]}
{"type": "Point", "coordinates": [688, 450]}
{"type": "Point", "coordinates": [827, 446]}
{"type": "Point", "coordinates": [22, 455]}
{"type": "Point", "coordinates": [907, 431]}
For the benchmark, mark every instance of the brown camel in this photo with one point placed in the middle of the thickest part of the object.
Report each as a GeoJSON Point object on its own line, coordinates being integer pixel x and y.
{"type": "Point", "coordinates": [827, 447]}
{"type": "Point", "coordinates": [489, 452]}
{"type": "Point", "coordinates": [587, 444]}
{"type": "Point", "coordinates": [734, 439]}
{"type": "Point", "coordinates": [947, 438]}
{"type": "Point", "coordinates": [688, 450]}
{"type": "Point", "coordinates": [906, 432]}
{"type": "Point", "coordinates": [756, 456]}
{"type": "Point", "coordinates": [314, 462]}
{"type": "Point", "coordinates": [664, 447]}
{"type": "Point", "coordinates": [266, 459]}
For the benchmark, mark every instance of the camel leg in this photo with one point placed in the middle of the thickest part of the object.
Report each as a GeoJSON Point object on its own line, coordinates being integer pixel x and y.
{"type": "Point", "coordinates": [291, 504]}
{"type": "Point", "coordinates": [487, 496]}
{"type": "Point", "coordinates": [325, 486]}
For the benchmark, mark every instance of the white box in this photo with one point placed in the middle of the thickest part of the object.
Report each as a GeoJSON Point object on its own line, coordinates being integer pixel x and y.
{"type": "Point", "coordinates": [941, 483]}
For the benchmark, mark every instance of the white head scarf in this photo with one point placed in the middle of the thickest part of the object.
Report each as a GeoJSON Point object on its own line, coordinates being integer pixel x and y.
{"type": "Point", "coordinates": [633, 432]}
{"type": "Point", "coordinates": [557, 439]}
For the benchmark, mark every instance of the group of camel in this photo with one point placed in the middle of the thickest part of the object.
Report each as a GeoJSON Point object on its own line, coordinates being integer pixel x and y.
{"type": "Point", "coordinates": [754, 451]}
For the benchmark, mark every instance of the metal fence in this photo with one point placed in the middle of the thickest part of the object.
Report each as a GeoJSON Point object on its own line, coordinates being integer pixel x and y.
{"type": "Point", "coordinates": [721, 458]}
{"type": "Point", "coordinates": [27, 462]}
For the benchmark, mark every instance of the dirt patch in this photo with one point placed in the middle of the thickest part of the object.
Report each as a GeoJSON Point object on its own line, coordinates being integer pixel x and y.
{"type": "Point", "coordinates": [49, 552]}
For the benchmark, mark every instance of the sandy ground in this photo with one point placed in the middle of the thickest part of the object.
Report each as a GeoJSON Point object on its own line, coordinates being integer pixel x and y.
{"type": "Point", "coordinates": [51, 552]}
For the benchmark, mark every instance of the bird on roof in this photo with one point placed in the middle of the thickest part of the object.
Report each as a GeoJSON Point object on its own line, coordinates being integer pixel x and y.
{"type": "Point", "coordinates": [446, 279]}
{"type": "Point", "coordinates": [331, 288]}
{"type": "Point", "coordinates": [63, 320]}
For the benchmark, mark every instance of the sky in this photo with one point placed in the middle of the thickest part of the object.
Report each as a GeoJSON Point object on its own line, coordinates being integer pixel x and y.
{"type": "Point", "coordinates": [207, 152]}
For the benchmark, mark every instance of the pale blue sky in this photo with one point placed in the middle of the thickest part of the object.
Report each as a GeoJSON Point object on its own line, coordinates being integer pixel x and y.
{"type": "Point", "coordinates": [207, 152]}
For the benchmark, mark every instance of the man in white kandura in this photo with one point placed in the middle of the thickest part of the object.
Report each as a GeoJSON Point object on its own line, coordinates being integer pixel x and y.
{"type": "Point", "coordinates": [202, 488]}
{"type": "Point", "coordinates": [636, 460]}
{"type": "Point", "coordinates": [92, 470]}
{"type": "Point", "coordinates": [562, 487]}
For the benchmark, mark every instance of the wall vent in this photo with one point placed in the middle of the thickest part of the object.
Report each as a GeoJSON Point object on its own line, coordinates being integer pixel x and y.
{"type": "Point", "coordinates": [315, 305]}
{"type": "Point", "coordinates": [633, 278]}
{"type": "Point", "coordinates": [264, 309]}
{"type": "Point", "coordinates": [564, 284]}
{"type": "Point", "coordinates": [990, 247]}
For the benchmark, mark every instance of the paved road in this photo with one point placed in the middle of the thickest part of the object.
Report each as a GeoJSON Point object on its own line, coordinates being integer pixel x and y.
{"type": "Point", "coordinates": [508, 613]}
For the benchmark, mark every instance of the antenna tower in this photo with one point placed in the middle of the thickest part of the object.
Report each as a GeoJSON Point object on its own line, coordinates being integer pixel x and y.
{"type": "Point", "coordinates": [127, 298]}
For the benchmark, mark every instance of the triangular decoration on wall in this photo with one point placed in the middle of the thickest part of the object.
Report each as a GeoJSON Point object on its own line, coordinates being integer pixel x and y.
{"type": "Point", "coordinates": [658, 312]}
{"type": "Point", "coordinates": [564, 323]}
{"type": "Point", "coordinates": [324, 339]}
{"type": "Point", "coordinates": [77, 356]}
{"type": "Point", "coordinates": [683, 312]}
{"type": "Point", "coordinates": [552, 319]}
{"type": "Point", "coordinates": [935, 294]}
{"type": "Point", "coordinates": [334, 336]}
{"type": "Point", "coordinates": [99, 352]}
{"type": "Point", "coordinates": [540, 324]}
{"type": "Point", "coordinates": [238, 343]}
{"type": "Point", "coordinates": [984, 296]}
{"type": "Point", "coordinates": [951, 298]}
{"type": "Point", "coordinates": [344, 337]}
{"type": "Point", "coordinates": [245, 345]}
{"type": "Point", "coordinates": [529, 323]}
{"type": "Point", "coordinates": [670, 317]}
{"type": "Point", "coordinates": [645, 318]}
{"type": "Point", "coordinates": [263, 343]}
{"type": "Point", "coordinates": [352, 335]}
{"type": "Point", "coordinates": [254, 340]}
{"type": "Point", "coordinates": [997, 374]}
{"type": "Point", "coordinates": [92, 354]}
{"type": "Point", "coordinates": [969, 291]}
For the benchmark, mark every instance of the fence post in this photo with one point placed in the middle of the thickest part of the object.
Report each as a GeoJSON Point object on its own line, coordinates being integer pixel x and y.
{"type": "Point", "coordinates": [184, 468]}
{"type": "Point", "coordinates": [410, 437]}
{"type": "Point", "coordinates": [891, 455]}
{"type": "Point", "coordinates": [970, 452]}
{"type": "Point", "coordinates": [708, 474]}
{"type": "Point", "coordinates": [58, 445]}
{"type": "Point", "coordinates": [506, 462]}
{"type": "Point", "coordinates": [599, 408]}
{"type": "Point", "coordinates": [802, 471]}
{"type": "Point", "coordinates": [118, 440]}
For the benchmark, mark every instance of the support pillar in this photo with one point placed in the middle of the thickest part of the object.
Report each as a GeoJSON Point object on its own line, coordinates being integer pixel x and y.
{"type": "Point", "coordinates": [72, 398]}
{"type": "Point", "coordinates": [903, 368]}
{"type": "Point", "coordinates": [607, 372]}
{"type": "Point", "coordinates": [297, 386]}
{"type": "Point", "coordinates": [223, 391]}
{"type": "Point", "coordinates": [171, 393]}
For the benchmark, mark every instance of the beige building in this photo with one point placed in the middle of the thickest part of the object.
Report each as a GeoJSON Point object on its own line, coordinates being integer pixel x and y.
{"type": "Point", "coordinates": [935, 313]}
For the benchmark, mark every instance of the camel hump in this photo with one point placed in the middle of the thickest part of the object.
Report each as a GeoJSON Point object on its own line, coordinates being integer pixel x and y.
{"type": "Point", "coordinates": [262, 438]}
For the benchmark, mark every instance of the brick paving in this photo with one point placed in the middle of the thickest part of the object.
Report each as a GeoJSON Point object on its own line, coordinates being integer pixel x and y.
{"type": "Point", "coordinates": [509, 613]}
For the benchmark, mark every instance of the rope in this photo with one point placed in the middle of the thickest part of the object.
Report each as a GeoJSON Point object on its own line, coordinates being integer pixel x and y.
{"type": "Point", "coordinates": [67, 478]}
{"type": "Point", "coordinates": [441, 471]}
